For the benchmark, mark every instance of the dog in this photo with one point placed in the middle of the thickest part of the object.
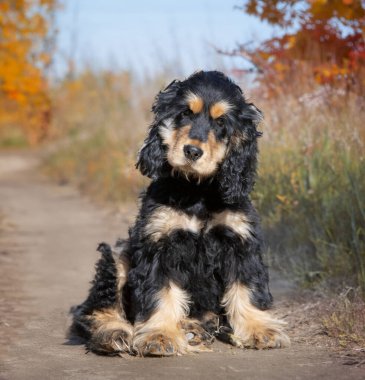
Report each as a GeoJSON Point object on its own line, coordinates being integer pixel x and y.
{"type": "Point", "coordinates": [191, 269]}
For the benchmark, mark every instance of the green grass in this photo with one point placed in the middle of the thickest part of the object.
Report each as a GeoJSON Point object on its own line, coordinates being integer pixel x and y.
{"type": "Point", "coordinates": [99, 166]}
{"type": "Point", "coordinates": [13, 138]}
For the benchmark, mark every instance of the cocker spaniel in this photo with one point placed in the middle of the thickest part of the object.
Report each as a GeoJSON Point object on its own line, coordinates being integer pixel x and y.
{"type": "Point", "coordinates": [192, 268]}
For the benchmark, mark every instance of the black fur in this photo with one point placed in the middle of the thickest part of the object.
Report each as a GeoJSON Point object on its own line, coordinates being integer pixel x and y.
{"type": "Point", "coordinates": [206, 263]}
{"type": "Point", "coordinates": [102, 293]}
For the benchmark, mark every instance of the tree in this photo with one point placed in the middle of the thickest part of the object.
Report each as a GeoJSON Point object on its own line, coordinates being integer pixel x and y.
{"type": "Point", "coordinates": [322, 39]}
{"type": "Point", "coordinates": [25, 53]}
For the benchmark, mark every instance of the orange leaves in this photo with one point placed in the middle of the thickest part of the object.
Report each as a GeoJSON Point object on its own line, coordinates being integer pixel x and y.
{"type": "Point", "coordinates": [326, 45]}
{"type": "Point", "coordinates": [328, 73]}
{"type": "Point", "coordinates": [347, 9]}
{"type": "Point", "coordinates": [289, 12]}
{"type": "Point", "coordinates": [45, 58]}
{"type": "Point", "coordinates": [24, 29]}
{"type": "Point", "coordinates": [280, 67]}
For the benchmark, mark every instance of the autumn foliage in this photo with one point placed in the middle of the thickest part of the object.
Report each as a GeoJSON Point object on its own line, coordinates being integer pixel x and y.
{"type": "Point", "coordinates": [322, 41]}
{"type": "Point", "coordinates": [25, 53]}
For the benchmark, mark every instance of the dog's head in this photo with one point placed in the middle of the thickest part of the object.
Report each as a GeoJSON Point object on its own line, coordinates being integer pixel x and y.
{"type": "Point", "coordinates": [203, 129]}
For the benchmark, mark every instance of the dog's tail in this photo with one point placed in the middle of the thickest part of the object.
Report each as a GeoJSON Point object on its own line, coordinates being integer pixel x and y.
{"type": "Point", "coordinates": [110, 272]}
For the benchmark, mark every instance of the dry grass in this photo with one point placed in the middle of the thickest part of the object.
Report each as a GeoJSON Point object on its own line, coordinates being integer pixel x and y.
{"type": "Point", "coordinates": [100, 119]}
{"type": "Point", "coordinates": [311, 186]}
{"type": "Point", "coordinates": [327, 321]}
{"type": "Point", "coordinates": [344, 320]}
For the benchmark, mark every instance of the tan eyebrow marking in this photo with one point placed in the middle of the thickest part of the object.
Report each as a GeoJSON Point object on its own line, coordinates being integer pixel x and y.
{"type": "Point", "coordinates": [220, 108]}
{"type": "Point", "coordinates": [195, 102]}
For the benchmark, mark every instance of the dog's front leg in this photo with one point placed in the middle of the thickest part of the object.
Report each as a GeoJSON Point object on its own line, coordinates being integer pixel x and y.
{"type": "Point", "coordinates": [160, 334]}
{"type": "Point", "coordinates": [164, 249]}
{"type": "Point", "coordinates": [252, 327]}
{"type": "Point", "coordinates": [234, 236]}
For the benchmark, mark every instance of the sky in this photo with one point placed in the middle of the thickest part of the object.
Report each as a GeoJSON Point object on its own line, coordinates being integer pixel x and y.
{"type": "Point", "coordinates": [149, 36]}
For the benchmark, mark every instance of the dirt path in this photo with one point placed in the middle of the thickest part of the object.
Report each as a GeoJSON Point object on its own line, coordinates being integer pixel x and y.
{"type": "Point", "coordinates": [47, 253]}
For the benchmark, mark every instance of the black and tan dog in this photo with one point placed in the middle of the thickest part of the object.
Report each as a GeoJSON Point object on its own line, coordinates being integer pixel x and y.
{"type": "Point", "coordinates": [192, 266]}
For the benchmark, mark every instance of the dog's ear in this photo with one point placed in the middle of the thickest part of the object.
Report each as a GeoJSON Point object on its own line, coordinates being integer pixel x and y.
{"type": "Point", "coordinates": [237, 173]}
{"type": "Point", "coordinates": [152, 156]}
{"type": "Point", "coordinates": [162, 106]}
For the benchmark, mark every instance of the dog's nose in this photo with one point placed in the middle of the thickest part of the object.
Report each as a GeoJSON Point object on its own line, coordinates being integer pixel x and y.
{"type": "Point", "coordinates": [192, 152]}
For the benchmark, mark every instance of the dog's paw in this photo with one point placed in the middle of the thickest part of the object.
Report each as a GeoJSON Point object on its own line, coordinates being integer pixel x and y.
{"type": "Point", "coordinates": [266, 338]}
{"type": "Point", "coordinates": [110, 342]}
{"type": "Point", "coordinates": [195, 334]}
{"type": "Point", "coordinates": [260, 339]}
{"type": "Point", "coordinates": [159, 344]}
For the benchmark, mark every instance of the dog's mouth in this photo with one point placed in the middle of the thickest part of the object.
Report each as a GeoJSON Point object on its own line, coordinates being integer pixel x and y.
{"type": "Point", "coordinates": [187, 169]}
{"type": "Point", "coordinates": [200, 170]}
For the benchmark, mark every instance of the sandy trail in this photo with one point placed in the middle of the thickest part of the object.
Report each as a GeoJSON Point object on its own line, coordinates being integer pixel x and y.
{"type": "Point", "coordinates": [47, 254]}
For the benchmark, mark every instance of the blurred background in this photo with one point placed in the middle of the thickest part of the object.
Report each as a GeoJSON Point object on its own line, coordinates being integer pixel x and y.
{"type": "Point", "coordinates": [77, 80]}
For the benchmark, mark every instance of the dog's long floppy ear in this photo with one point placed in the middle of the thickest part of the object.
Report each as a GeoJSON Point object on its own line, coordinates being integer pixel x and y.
{"type": "Point", "coordinates": [236, 176]}
{"type": "Point", "coordinates": [152, 156]}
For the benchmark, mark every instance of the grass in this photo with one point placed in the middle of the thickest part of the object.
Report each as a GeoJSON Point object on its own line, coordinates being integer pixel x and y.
{"type": "Point", "coordinates": [100, 118]}
{"type": "Point", "coordinates": [12, 138]}
{"type": "Point", "coordinates": [344, 320]}
{"type": "Point", "coordinates": [312, 178]}
{"type": "Point", "coordinates": [99, 166]}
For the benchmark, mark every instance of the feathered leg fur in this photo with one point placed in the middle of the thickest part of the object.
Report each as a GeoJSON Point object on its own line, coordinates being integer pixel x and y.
{"type": "Point", "coordinates": [246, 296]}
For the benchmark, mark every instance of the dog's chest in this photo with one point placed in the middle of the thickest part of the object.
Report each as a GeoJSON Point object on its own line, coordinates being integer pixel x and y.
{"type": "Point", "coordinates": [198, 220]}
{"type": "Point", "coordinates": [196, 209]}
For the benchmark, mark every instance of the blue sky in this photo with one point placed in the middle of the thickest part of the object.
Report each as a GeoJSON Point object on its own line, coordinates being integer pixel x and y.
{"type": "Point", "coordinates": [147, 36]}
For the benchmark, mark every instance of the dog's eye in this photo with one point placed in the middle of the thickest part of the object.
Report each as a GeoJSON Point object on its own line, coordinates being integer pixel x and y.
{"type": "Point", "coordinates": [186, 113]}
{"type": "Point", "coordinates": [220, 121]}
